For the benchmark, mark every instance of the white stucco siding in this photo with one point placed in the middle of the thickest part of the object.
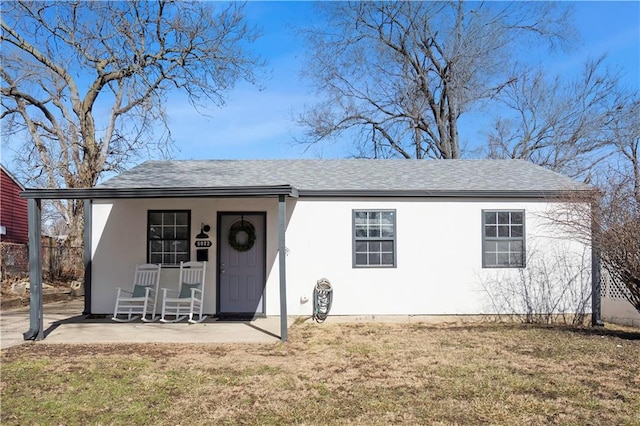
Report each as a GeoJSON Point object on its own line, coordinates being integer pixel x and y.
{"type": "Point", "coordinates": [439, 255]}
{"type": "Point", "coordinates": [438, 252]}
{"type": "Point", "coordinates": [119, 242]}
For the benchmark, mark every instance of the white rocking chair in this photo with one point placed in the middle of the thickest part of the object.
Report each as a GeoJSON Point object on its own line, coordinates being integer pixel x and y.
{"type": "Point", "coordinates": [141, 300]}
{"type": "Point", "coordinates": [190, 294]}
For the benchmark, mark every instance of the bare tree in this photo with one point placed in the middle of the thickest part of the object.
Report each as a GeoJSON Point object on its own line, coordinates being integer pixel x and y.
{"type": "Point", "coordinates": [565, 124]}
{"type": "Point", "coordinates": [400, 74]}
{"type": "Point", "coordinates": [619, 218]}
{"type": "Point", "coordinates": [588, 129]}
{"type": "Point", "coordinates": [620, 248]}
{"type": "Point", "coordinates": [625, 133]}
{"type": "Point", "coordinates": [612, 226]}
{"type": "Point", "coordinates": [87, 81]}
{"type": "Point", "coordinates": [610, 222]}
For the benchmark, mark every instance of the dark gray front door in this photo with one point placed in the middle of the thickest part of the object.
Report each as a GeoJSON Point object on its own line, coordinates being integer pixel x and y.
{"type": "Point", "coordinates": [241, 264]}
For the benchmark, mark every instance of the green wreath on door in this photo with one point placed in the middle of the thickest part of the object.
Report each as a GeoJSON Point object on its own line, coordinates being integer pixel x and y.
{"type": "Point", "coordinates": [242, 236]}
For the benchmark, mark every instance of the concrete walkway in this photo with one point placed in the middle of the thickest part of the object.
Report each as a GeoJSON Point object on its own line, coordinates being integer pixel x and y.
{"type": "Point", "coordinates": [64, 323]}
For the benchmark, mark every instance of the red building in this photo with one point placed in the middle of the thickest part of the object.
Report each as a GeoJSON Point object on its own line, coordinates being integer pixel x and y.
{"type": "Point", "coordinates": [14, 234]}
{"type": "Point", "coordinates": [13, 210]}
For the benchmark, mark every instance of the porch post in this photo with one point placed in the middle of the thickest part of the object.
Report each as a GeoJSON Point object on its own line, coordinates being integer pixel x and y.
{"type": "Point", "coordinates": [87, 256]}
{"type": "Point", "coordinates": [36, 323]}
{"type": "Point", "coordinates": [282, 224]}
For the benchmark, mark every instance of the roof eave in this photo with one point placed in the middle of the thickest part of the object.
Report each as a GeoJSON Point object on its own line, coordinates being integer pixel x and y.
{"type": "Point", "coordinates": [541, 194]}
{"type": "Point", "coordinates": [290, 191]}
{"type": "Point", "coordinates": [183, 192]}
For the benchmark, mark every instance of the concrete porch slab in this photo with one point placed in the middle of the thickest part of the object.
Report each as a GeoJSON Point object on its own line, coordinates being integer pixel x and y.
{"type": "Point", "coordinates": [64, 323]}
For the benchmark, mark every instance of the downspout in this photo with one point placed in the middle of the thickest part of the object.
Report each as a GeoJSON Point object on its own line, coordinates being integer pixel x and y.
{"type": "Point", "coordinates": [88, 204]}
{"type": "Point", "coordinates": [596, 264]}
{"type": "Point", "coordinates": [36, 327]}
{"type": "Point", "coordinates": [282, 225]}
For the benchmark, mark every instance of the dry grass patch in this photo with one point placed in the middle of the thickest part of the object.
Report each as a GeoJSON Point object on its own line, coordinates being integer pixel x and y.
{"type": "Point", "coordinates": [365, 373]}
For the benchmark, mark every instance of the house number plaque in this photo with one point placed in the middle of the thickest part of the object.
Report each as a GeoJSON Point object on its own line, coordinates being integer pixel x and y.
{"type": "Point", "coordinates": [203, 243]}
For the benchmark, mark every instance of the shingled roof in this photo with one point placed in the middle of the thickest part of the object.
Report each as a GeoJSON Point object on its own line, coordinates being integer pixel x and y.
{"type": "Point", "coordinates": [342, 178]}
{"type": "Point", "coordinates": [310, 176]}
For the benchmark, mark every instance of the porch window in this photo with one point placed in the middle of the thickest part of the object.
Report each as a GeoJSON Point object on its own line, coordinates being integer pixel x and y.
{"type": "Point", "coordinates": [503, 243]}
{"type": "Point", "coordinates": [374, 238]}
{"type": "Point", "coordinates": [168, 237]}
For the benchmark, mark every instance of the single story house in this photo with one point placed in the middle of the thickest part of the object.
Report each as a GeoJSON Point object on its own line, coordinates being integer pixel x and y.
{"type": "Point", "coordinates": [394, 237]}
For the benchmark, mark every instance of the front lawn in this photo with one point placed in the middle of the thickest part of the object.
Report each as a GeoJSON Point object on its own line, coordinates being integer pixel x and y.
{"type": "Point", "coordinates": [367, 373]}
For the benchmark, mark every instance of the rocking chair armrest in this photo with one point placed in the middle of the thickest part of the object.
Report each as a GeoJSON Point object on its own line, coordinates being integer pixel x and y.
{"type": "Point", "coordinates": [120, 289]}
{"type": "Point", "coordinates": [166, 290]}
{"type": "Point", "coordinates": [148, 291]}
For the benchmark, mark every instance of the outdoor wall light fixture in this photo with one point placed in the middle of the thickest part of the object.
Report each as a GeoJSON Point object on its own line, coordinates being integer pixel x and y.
{"type": "Point", "coordinates": [203, 231]}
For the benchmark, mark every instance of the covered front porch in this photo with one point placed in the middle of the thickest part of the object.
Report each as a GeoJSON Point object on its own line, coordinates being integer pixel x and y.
{"type": "Point", "coordinates": [37, 328]}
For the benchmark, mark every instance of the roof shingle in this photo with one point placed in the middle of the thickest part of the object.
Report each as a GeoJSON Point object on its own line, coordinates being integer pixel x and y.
{"type": "Point", "coordinates": [348, 175]}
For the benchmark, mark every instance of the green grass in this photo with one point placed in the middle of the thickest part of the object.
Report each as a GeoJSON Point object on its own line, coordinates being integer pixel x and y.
{"type": "Point", "coordinates": [336, 374]}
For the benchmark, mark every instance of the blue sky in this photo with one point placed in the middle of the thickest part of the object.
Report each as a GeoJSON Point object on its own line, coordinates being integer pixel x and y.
{"type": "Point", "coordinates": [258, 124]}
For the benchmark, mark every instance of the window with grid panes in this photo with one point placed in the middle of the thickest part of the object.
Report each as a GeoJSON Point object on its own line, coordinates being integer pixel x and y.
{"type": "Point", "coordinates": [168, 237]}
{"type": "Point", "coordinates": [374, 238]}
{"type": "Point", "coordinates": [503, 241]}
